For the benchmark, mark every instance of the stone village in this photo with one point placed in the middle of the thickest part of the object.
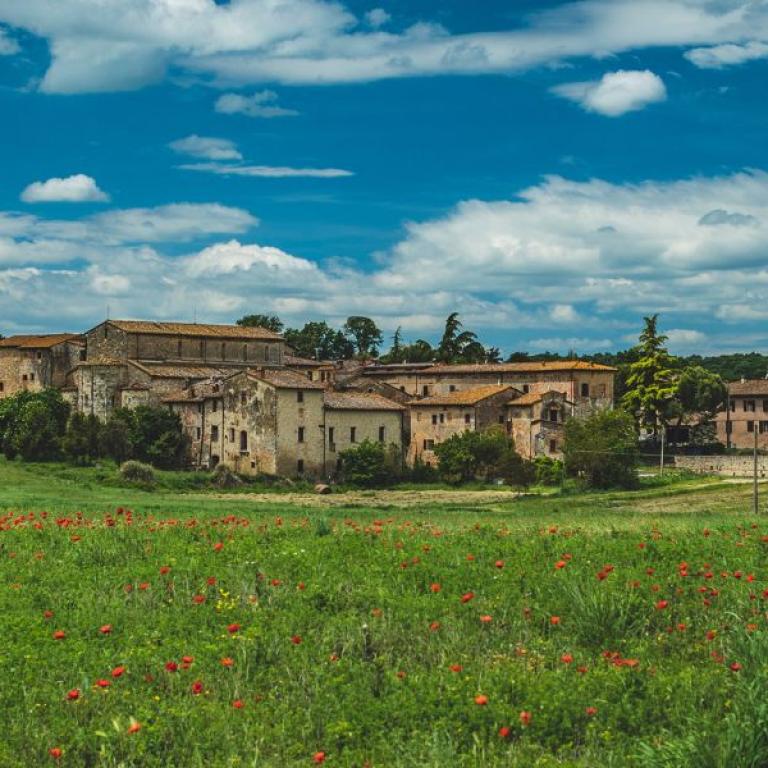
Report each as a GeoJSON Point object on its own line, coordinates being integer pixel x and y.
{"type": "Point", "coordinates": [246, 402]}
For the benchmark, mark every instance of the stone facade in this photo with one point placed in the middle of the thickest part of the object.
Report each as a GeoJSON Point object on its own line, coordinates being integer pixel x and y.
{"type": "Point", "coordinates": [745, 414]}
{"type": "Point", "coordinates": [32, 363]}
{"type": "Point", "coordinates": [437, 418]}
{"type": "Point", "coordinates": [727, 466]}
{"type": "Point", "coordinates": [536, 423]}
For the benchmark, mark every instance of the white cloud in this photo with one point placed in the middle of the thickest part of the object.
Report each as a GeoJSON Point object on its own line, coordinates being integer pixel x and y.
{"type": "Point", "coordinates": [101, 45]}
{"type": "Point", "coordinates": [727, 55]}
{"type": "Point", "coordinates": [8, 46]}
{"type": "Point", "coordinates": [231, 257]}
{"type": "Point", "coordinates": [579, 344]}
{"type": "Point", "coordinates": [206, 147]}
{"type": "Point", "coordinates": [616, 93]}
{"type": "Point", "coordinates": [377, 17]}
{"type": "Point", "coordinates": [266, 171]}
{"type": "Point", "coordinates": [684, 339]}
{"type": "Point", "coordinates": [109, 285]}
{"type": "Point", "coordinates": [72, 189]}
{"type": "Point", "coordinates": [257, 105]}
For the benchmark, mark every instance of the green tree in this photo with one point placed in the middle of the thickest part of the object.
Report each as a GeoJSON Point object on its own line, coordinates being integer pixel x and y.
{"type": "Point", "coordinates": [319, 340]}
{"type": "Point", "coordinates": [34, 425]}
{"type": "Point", "coordinates": [651, 380]}
{"type": "Point", "coordinates": [81, 441]}
{"type": "Point", "coordinates": [395, 353]}
{"type": "Point", "coordinates": [493, 355]}
{"type": "Point", "coordinates": [455, 340]}
{"type": "Point", "coordinates": [473, 455]}
{"type": "Point", "coordinates": [270, 322]}
{"type": "Point", "coordinates": [115, 439]}
{"type": "Point", "coordinates": [419, 352]}
{"type": "Point", "coordinates": [370, 465]}
{"type": "Point", "coordinates": [155, 435]}
{"type": "Point", "coordinates": [700, 391]}
{"type": "Point", "coordinates": [602, 449]}
{"type": "Point", "coordinates": [365, 334]}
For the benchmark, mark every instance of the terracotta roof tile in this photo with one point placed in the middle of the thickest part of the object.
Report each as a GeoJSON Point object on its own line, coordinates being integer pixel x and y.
{"type": "Point", "coordinates": [465, 397]}
{"type": "Point", "coordinates": [360, 401]}
{"type": "Point", "coordinates": [749, 387]}
{"type": "Point", "coordinates": [533, 367]}
{"type": "Point", "coordinates": [531, 398]}
{"type": "Point", "coordinates": [163, 371]}
{"type": "Point", "coordinates": [284, 378]}
{"type": "Point", "coordinates": [39, 342]}
{"type": "Point", "coordinates": [194, 329]}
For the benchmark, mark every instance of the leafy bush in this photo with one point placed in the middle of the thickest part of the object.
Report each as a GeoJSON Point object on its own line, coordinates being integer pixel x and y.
{"type": "Point", "coordinates": [137, 472]}
{"type": "Point", "coordinates": [115, 439]}
{"type": "Point", "coordinates": [81, 442]}
{"type": "Point", "coordinates": [549, 471]}
{"type": "Point", "coordinates": [602, 449]}
{"type": "Point", "coordinates": [155, 436]}
{"type": "Point", "coordinates": [32, 424]}
{"type": "Point", "coordinates": [224, 477]}
{"type": "Point", "coordinates": [370, 465]}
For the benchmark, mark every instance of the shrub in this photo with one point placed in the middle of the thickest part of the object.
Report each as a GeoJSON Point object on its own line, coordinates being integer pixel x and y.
{"type": "Point", "coordinates": [479, 455]}
{"type": "Point", "coordinates": [155, 435]}
{"type": "Point", "coordinates": [224, 477]}
{"type": "Point", "coordinates": [369, 465]}
{"type": "Point", "coordinates": [602, 449]}
{"type": "Point", "coordinates": [33, 424]}
{"type": "Point", "coordinates": [81, 442]}
{"type": "Point", "coordinates": [137, 472]}
{"type": "Point", "coordinates": [549, 471]}
{"type": "Point", "coordinates": [115, 439]}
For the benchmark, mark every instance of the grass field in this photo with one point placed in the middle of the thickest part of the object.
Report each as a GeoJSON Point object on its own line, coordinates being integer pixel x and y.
{"type": "Point", "coordinates": [180, 628]}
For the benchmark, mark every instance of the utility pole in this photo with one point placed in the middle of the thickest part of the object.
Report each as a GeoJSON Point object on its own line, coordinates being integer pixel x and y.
{"type": "Point", "coordinates": [754, 476]}
{"type": "Point", "coordinates": [661, 455]}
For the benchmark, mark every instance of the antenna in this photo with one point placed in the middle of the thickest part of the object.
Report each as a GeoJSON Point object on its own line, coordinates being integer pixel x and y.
{"type": "Point", "coordinates": [108, 309]}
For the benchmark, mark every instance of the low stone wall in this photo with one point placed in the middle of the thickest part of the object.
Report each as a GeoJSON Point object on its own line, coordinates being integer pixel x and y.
{"type": "Point", "coordinates": [729, 466]}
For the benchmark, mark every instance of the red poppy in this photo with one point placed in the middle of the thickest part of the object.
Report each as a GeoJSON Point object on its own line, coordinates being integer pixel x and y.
{"type": "Point", "coordinates": [49, 614]}
{"type": "Point", "coordinates": [435, 588]}
{"type": "Point", "coordinates": [105, 629]}
{"type": "Point", "coordinates": [197, 688]}
{"type": "Point", "coordinates": [711, 634]}
{"type": "Point", "coordinates": [554, 620]}
{"type": "Point", "coordinates": [301, 586]}
{"type": "Point", "coordinates": [144, 586]}
{"type": "Point", "coordinates": [486, 619]}
{"type": "Point", "coordinates": [566, 658]}
{"type": "Point", "coordinates": [467, 596]}
{"type": "Point", "coordinates": [56, 752]}
{"type": "Point", "coordinates": [661, 605]}
{"type": "Point", "coordinates": [560, 564]}
{"type": "Point", "coordinates": [59, 634]}
{"type": "Point", "coordinates": [735, 667]}
{"type": "Point", "coordinates": [118, 671]}
{"type": "Point", "coordinates": [165, 569]}
{"type": "Point", "coordinates": [73, 695]}
{"type": "Point", "coordinates": [377, 612]}
{"type": "Point", "coordinates": [227, 662]}
{"type": "Point", "coordinates": [198, 599]}
{"type": "Point", "coordinates": [211, 581]}
{"type": "Point", "coordinates": [218, 546]}
{"type": "Point", "coordinates": [504, 731]}
{"type": "Point", "coordinates": [401, 675]}
{"type": "Point", "coordinates": [187, 659]}
{"type": "Point", "coordinates": [456, 668]}
{"type": "Point", "coordinates": [237, 703]}
{"type": "Point", "coordinates": [525, 718]}
{"type": "Point", "coordinates": [318, 757]}
{"type": "Point", "coordinates": [499, 563]}
{"type": "Point", "coordinates": [296, 639]}
{"type": "Point", "coordinates": [481, 700]}
{"type": "Point", "coordinates": [134, 727]}
{"type": "Point", "coordinates": [591, 711]}
{"type": "Point", "coordinates": [434, 626]}
{"type": "Point", "coordinates": [232, 628]}
{"type": "Point", "coordinates": [103, 683]}
{"type": "Point", "coordinates": [171, 666]}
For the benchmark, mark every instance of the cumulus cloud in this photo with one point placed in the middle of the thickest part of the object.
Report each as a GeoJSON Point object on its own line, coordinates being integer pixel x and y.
{"type": "Point", "coordinates": [72, 189]}
{"type": "Point", "coordinates": [727, 55]}
{"type": "Point", "coordinates": [266, 171]}
{"type": "Point", "coordinates": [206, 147]}
{"type": "Point", "coordinates": [616, 93]}
{"type": "Point", "coordinates": [99, 45]}
{"type": "Point", "coordinates": [685, 338]}
{"type": "Point", "coordinates": [719, 216]}
{"type": "Point", "coordinates": [261, 104]}
{"type": "Point", "coordinates": [537, 264]}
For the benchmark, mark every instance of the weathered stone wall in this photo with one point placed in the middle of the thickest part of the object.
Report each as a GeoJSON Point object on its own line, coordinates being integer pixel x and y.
{"type": "Point", "coordinates": [97, 388]}
{"type": "Point", "coordinates": [728, 466]}
{"type": "Point", "coordinates": [338, 428]}
{"type": "Point", "coordinates": [292, 414]}
{"type": "Point", "coordinates": [736, 428]}
{"type": "Point", "coordinates": [106, 342]}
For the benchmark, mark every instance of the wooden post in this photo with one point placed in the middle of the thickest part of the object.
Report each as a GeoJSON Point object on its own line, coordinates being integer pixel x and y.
{"type": "Point", "coordinates": [661, 457]}
{"type": "Point", "coordinates": [754, 479]}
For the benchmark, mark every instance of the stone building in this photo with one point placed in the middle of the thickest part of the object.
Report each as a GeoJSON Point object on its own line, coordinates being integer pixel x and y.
{"type": "Point", "coordinates": [323, 371]}
{"type": "Point", "coordinates": [536, 423]}
{"type": "Point", "coordinates": [32, 363]}
{"type": "Point", "coordinates": [352, 417]}
{"type": "Point", "coordinates": [585, 385]}
{"type": "Point", "coordinates": [435, 419]}
{"type": "Point", "coordinates": [745, 414]}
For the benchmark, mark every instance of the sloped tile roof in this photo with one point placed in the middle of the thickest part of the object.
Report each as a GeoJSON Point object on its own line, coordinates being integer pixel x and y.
{"type": "Point", "coordinates": [749, 387]}
{"type": "Point", "coordinates": [195, 329]}
{"type": "Point", "coordinates": [533, 367]}
{"type": "Point", "coordinates": [360, 401]}
{"type": "Point", "coordinates": [282, 378]}
{"type": "Point", "coordinates": [465, 397]}
{"type": "Point", "coordinates": [26, 341]}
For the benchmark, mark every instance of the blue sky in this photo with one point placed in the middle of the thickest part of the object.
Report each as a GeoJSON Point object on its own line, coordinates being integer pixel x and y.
{"type": "Point", "coordinates": [553, 171]}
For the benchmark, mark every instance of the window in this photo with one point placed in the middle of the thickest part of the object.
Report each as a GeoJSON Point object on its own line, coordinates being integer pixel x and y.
{"type": "Point", "coordinates": [467, 418]}
{"type": "Point", "coordinates": [243, 441]}
{"type": "Point", "coordinates": [750, 426]}
{"type": "Point", "coordinates": [728, 427]}
{"type": "Point", "coordinates": [266, 356]}
{"type": "Point", "coordinates": [2, 386]}
{"type": "Point", "coordinates": [553, 413]}
{"type": "Point", "coordinates": [24, 377]}
{"type": "Point", "coordinates": [178, 349]}
{"type": "Point", "coordinates": [300, 396]}
{"type": "Point", "coordinates": [200, 407]}
{"type": "Point", "coordinates": [584, 389]}
{"type": "Point", "coordinates": [381, 434]}
{"type": "Point", "coordinates": [300, 466]}
{"type": "Point", "coordinates": [733, 404]}
{"type": "Point", "coordinates": [434, 418]}
{"type": "Point", "coordinates": [39, 355]}
{"type": "Point", "coordinates": [749, 406]}
{"type": "Point", "coordinates": [425, 390]}
{"type": "Point", "coordinates": [202, 349]}
{"type": "Point", "coordinates": [526, 389]}
{"type": "Point", "coordinates": [245, 352]}
{"type": "Point", "coordinates": [330, 435]}
{"type": "Point", "coordinates": [765, 405]}
{"type": "Point", "coordinates": [442, 418]}
{"type": "Point", "coordinates": [501, 419]}
{"type": "Point", "coordinates": [214, 406]}
{"type": "Point", "coordinates": [429, 445]}
{"type": "Point", "coordinates": [353, 434]}
{"type": "Point", "coordinates": [243, 398]}
{"type": "Point", "coordinates": [231, 434]}
{"type": "Point", "coordinates": [402, 389]}
{"type": "Point", "coordinates": [198, 433]}
{"type": "Point", "coordinates": [223, 350]}
{"type": "Point", "coordinates": [553, 446]}
{"type": "Point", "coordinates": [763, 427]}
{"type": "Point", "coordinates": [452, 388]}
{"type": "Point", "coordinates": [214, 432]}
{"type": "Point", "coordinates": [309, 375]}
{"type": "Point", "coordinates": [301, 434]}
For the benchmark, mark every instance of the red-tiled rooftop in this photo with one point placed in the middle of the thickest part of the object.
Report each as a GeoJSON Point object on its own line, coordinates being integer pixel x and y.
{"type": "Point", "coordinates": [45, 341]}
{"type": "Point", "coordinates": [360, 401]}
{"type": "Point", "coordinates": [194, 329]}
{"type": "Point", "coordinates": [466, 396]}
